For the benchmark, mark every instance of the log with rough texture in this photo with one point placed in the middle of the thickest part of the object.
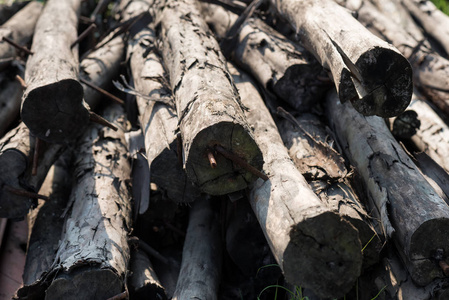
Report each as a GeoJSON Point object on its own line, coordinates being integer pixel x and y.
{"type": "Point", "coordinates": [280, 66]}
{"type": "Point", "coordinates": [408, 207]}
{"type": "Point", "coordinates": [92, 259]}
{"type": "Point", "coordinates": [199, 277]}
{"type": "Point", "coordinates": [367, 71]}
{"type": "Point", "coordinates": [309, 145]}
{"type": "Point", "coordinates": [208, 105]}
{"type": "Point", "coordinates": [313, 246]}
{"type": "Point", "coordinates": [10, 99]}
{"type": "Point", "coordinates": [19, 29]}
{"type": "Point", "coordinates": [52, 106]}
{"type": "Point", "coordinates": [158, 120]}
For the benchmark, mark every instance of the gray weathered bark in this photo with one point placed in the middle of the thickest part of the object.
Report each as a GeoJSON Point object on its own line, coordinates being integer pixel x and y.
{"type": "Point", "coordinates": [398, 194]}
{"type": "Point", "coordinates": [9, 8]}
{"type": "Point", "coordinates": [300, 229]}
{"type": "Point", "coordinates": [279, 65]}
{"type": "Point", "coordinates": [10, 99]}
{"type": "Point", "coordinates": [52, 105]}
{"type": "Point", "coordinates": [199, 277]}
{"type": "Point", "coordinates": [92, 259]}
{"type": "Point", "coordinates": [207, 102]}
{"type": "Point", "coordinates": [367, 71]}
{"type": "Point", "coordinates": [158, 120]}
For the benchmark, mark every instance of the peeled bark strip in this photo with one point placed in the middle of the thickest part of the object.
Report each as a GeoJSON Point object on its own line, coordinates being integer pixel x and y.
{"type": "Point", "coordinates": [158, 120]}
{"type": "Point", "coordinates": [92, 259]}
{"type": "Point", "coordinates": [367, 71]}
{"type": "Point", "coordinates": [207, 102]}
{"type": "Point", "coordinates": [397, 192]}
{"type": "Point", "coordinates": [314, 246]}
{"type": "Point", "coordinates": [199, 277]}
{"type": "Point", "coordinates": [10, 99]}
{"type": "Point", "coordinates": [20, 29]}
{"type": "Point", "coordinates": [309, 146]}
{"type": "Point", "coordinates": [280, 66]}
{"type": "Point", "coordinates": [52, 105]}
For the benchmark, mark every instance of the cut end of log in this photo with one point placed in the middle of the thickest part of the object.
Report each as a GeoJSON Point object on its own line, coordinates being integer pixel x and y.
{"type": "Point", "coordinates": [227, 176]}
{"type": "Point", "coordinates": [383, 85]}
{"type": "Point", "coordinates": [406, 125]}
{"type": "Point", "coordinates": [56, 112]}
{"type": "Point", "coordinates": [324, 254]}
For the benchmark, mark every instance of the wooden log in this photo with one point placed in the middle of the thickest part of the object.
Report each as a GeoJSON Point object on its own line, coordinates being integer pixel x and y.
{"type": "Point", "coordinates": [367, 71]}
{"type": "Point", "coordinates": [409, 209]}
{"type": "Point", "coordinates": [46, 229]}
{"type": "Point", "coordinates": [199, 277]}
{"type": "Point", "coordinates": [92, 259]}
{"type": "Point", "coordinates": [10, 99]}
{"type": "Point", "coordinates": [300, 229]}
{"type": "Point", "coordinates": [208, 107]}
{"type": "Point", "coordinates": [158, 119]}
{"type": "Point", "coordinates": [9, 8]}
{"type": "Point", "coordinates": [405, 125]}
{"type": "Point", "coordinates": [280, 66]}
{"type": "Point", "coordinates": [310, 147]}
{"type": "Point", "coordinates": [52, 105]}
{"type": "Point", "coordinates": [20, 29]}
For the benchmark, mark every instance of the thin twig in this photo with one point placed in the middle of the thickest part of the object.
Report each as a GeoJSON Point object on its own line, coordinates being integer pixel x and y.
{"type": "Point", "coordinates": [21, 81]}
{"type": "Point", "coordinates": [120, 296]}
{"type": "Point", "coordinates": [17, 46]}
{"type": "Point", "coordinates": [100, 90]}
{"type": "Point", "coordinates": [174, 228]}
{"type": "Point", "coordinates": [83, 35]}
{"type": "Point", "coordinates": [241, 162]}
{"type": "Point", "coordinates": [212, 161]}
{"type": "Point", "coordinates": [102, 121]}
{"type": "Point", "coordinates": [24, 193]}
{"type": "Point", "coordinates": [148, 249]}
{"type": "Point", "coordinates": [36, 156]}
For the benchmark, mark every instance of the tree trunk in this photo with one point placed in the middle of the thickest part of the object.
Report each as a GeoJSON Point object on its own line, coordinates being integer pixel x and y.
{"type": "Point", "coordinates": [397, 192]}
{"type": "Point", "coordinates": [52, 105]}
{"type": "Point", "coordinates": [158, 120]}
{"type": "Point", "coordinates": [301, 230]}
{"type": "Point", "coordinates": [280, 66]}
{"type": "Point", "coordinates": [10, 99]}
{"type": "Point", "coordinates": [367, 71]}
{"type": "Point", "coordinates": [199, 277]}
{"type": "Point", "coordinates": [207, 102]}
{"type": "Point", "coordinates": [92, 259]}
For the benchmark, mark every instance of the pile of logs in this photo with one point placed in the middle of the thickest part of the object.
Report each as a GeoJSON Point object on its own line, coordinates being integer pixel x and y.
{"type": "Point", "coordinates": [248, 150]}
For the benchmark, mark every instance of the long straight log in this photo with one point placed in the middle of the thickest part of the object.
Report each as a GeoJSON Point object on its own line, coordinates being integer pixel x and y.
{"type": "Point", "coordinates": [53, 107]}
{"type": "Point", "coordinates": [92, 259]}
{"type": "Point", "coordinates": [279, 65]}
{"type": "Point", "coordinates": [10, 99]}
{"type": "Point", "coordinates": [409, 209]}
{"type": "Point", "coordinates": [314, 247]}
{"type": "Point", "coordinates": [208, 106]}
{"type": "Point", "coordinates": [367, 71]}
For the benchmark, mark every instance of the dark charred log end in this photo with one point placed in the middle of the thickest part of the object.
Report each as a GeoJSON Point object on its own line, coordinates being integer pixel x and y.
{"type": "Point", "coordinates": [406, 125]}
{"type": "Point", "coordinates": [324, 255]}
{"type": "Point", "coordinates": [424, 266]}
{"type": "Point", "coordinates": [227, 177]}
{"type": "Point", "coordinates": [56, 112]}
{"type": "Point", "coordinates": [87, 282]}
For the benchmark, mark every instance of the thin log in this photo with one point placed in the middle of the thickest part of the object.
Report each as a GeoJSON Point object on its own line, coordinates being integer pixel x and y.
{"type": "Point", "coordinates": [9, 8]}
{"type": "Point", "coordinates": [52, 106]}
{"type": "Point", "coordinates": [398, 195]}
{"type": "Point", "coordinates": [280, 66]}
{"type": "Point", "coordinates": [10, 99]}
{"type": "Point", "coordinates": [367, 71]}
{"type": "Point", "coordinates": [301, 230]}
{"type": "Point", "coordinates": [100, 215]}
{"type": "Point", "coordinates": [207, 102]}
{"type": "Point", "coordinates": [199, 277]}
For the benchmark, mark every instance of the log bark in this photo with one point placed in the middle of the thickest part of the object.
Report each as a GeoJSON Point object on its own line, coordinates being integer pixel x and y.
{"type": "Point", "coordinates": [300, 229]}
{"type": "Point", "coordinates": [367, 71]}
{"type": "Point", "coordinates": [20, 29]}
{"type": "Point", "coordinates": [10, 99]}
{"type": "Point", "coordinates": [207, 102]}
{"type": "Point", "coordinates": [280, 66]}
{"type": "Point", "coordinates": [52, 105]}
{"type": "Point", "coordinates": [410, 210]}
{"type": "Point", "coordinates": [92, 259]}
{"type": "Point", "coordinates": [199, 277]}
{"type": "Point", "coordinates": [9, 8]}
{"type": "Point", "coordinates": [309, 145]}
{"type": "Point", "coordinates": [158, 119]}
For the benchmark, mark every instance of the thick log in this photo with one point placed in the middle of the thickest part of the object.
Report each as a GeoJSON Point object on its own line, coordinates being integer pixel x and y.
{"type": "Point", "coordinates": [199, 277]}
{"type": "Point", "coordinates": [10, 99]}
{"type": "Point", "coordinates": [280, 66]}
{"type": "Point", "coordinates": [19, 29]}
{"type": "Point", "coordinates": [410, 210]}
{"type": "Point", "coordinates": [52, 106]}
{"type": "Point", "coordinates": [9, 8]}
{"type": "Point", "coordinates": [300, 229]}
{"type": "Point", "coordinates": [158, 120]}
{"type": "Point", "coordinates": [92, 259]}
{"type": "Point", "coordinates": [310, 147]}
{"type": "Point", "coordinates": [367, 71]}
{"type": "Point", "coordinates": [208, 107]}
